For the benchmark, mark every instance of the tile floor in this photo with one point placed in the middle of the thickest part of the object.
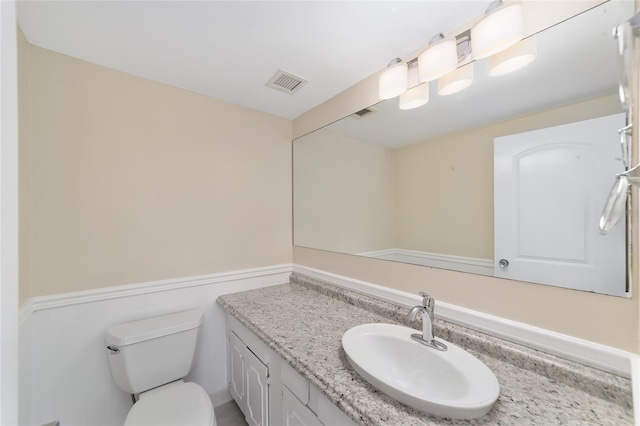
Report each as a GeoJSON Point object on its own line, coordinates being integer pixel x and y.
{"type": "Point", "coordinates": [229, 414]}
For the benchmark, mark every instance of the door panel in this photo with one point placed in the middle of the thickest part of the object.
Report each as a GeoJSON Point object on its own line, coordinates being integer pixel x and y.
{"type": "Point", "coordinates": [257, 391]}
{"type": "Point", "coordinates": [295, 412]}
{"type": "Point", "coordinates": [550, 188]}
{"type": "Point", "coordinates": [236, 370]}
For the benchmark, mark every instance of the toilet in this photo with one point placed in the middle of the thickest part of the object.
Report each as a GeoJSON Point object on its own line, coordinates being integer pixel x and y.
{"type": "Point", "coordinates": [149, 359]}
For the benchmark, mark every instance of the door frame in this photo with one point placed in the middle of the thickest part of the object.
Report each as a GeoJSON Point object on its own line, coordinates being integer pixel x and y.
{"type": "Point", "coordinates": [8, 214]}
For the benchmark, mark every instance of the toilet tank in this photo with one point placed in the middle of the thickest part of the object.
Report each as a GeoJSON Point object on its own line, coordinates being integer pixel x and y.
{"type": "Point", "coordinates": [151, 352]}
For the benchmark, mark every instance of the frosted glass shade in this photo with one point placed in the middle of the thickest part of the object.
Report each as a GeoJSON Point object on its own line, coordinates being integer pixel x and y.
{"type": "Point", "coordinates": [456, 81]}
{"type": "Point", "coordinates": [393, 81]}
{"type": "Point", "coordinates": [415, 97]}
{"type": "Point", "coordinates": [513, 58]}
{"type": "Point", "coordinates": [439, 59]}
{"type": "Point", "coordinates": [501, 28]}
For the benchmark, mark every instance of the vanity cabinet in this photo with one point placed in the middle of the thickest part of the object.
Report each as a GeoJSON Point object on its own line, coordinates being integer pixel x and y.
{"type": "Point", "coordinates": [268, 390]}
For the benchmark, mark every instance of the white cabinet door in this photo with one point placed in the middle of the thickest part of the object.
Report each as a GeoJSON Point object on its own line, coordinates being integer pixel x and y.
{"type": "Point", "coordinates": [237, 371]}
{"type": "Point", "coordinates": [257, 413]}
{"type": "Point", "coordinates": [550, 188]}
{"type": "Point", "coordinates": [295, 412]}
{"type": "Point", "coordinates": [328, 413]}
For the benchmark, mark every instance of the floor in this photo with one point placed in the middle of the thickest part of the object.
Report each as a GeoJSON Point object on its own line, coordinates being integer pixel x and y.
{"type": "Point", "coordinates": [229, 414]}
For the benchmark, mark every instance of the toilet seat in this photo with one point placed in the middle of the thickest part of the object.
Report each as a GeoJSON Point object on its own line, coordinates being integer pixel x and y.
{"type": "Point", "coordinates": [184, 404]}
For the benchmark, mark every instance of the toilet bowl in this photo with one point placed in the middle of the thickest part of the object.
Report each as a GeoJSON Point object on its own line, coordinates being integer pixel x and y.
{"type": "Point", "coordinates": [149, 359]}
{"type": "Point", "coordinates": [183, 404]}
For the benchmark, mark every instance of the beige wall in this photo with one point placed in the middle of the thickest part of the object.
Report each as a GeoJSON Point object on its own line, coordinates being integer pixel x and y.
{"type": "Point", "coordinates": [352, 196]}
{"type": "Point", "coordinates": [607, 320]}
{"type": "Point", "coordinates": [133, 181]}
{"type": "Point", "coordinates": [343, 194]}
{"type": "Point", "coordinates": [448, 181]}
{"type": "Point", "coordinates": [445, 195]}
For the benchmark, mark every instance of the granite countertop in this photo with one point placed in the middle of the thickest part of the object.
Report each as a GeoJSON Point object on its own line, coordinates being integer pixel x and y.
{"type": "Point", "coordinates": [303, 322]}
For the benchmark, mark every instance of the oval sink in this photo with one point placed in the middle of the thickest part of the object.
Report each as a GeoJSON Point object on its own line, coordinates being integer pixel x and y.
{"type": "Point", "coordinates": [452, 384]}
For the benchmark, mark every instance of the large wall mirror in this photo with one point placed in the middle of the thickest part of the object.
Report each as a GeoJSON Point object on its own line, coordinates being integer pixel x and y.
{"type": "Point", "coordinates": [506, 178]}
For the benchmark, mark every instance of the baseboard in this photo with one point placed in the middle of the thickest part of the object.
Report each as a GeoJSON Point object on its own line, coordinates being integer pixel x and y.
{"type": "Point", "coordinates": [277, 274]}
{"type": "Point", "coordinates": [435, 260]}
{"type": "Point", "coordinates": [221, 397]}
{"type": "Point", "coordinates": [380, 254]}
{"type": "Point", "coordinates": [585, 352]}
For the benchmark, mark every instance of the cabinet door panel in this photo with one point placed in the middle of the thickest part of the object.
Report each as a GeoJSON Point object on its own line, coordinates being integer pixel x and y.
{"type": "Point", "coordinates": [257, 413]}
{"type": "Point", "coordinates": [295, 413]}
{"type": "Point", "coordinates": [328, 413]}
{"type": "Point", "coordinates": [298, 385]}
{"type": "Point", "coordinates": [236, 371]}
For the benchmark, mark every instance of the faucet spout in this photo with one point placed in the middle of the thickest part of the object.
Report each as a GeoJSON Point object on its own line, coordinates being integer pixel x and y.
{"type": "Point", "coordinates": [426, 311]}
{"type": "Point", "coordinates": [413, 313]}
{"type": "Point", "coordinates": [427, 326]}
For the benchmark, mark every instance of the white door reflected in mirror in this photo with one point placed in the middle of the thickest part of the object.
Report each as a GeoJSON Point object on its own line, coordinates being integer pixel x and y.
{"type": "Point", "coordinates": [548, 197]}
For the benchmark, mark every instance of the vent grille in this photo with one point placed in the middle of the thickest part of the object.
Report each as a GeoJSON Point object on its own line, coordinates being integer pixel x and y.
{"type": "Point", "coordinates": [286, 82]}
{"type": "Point", "coordinates": [359, 115]}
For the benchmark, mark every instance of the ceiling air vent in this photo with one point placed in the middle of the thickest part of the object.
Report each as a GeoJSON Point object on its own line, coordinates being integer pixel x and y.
{"type": "Point", "coordinates": [286, 82]}
{"type": "Point", "coordinates": [363, 113]}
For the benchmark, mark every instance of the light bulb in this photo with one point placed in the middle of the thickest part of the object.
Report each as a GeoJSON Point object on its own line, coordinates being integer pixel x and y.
{"type": "Point", "coordinates": [500, 28]}
{"type": "Point", "coordinates": [394, 80]}
{"type": "Point", "coordinates": [415, 97]}
{"type": "Point", "coordinates": [513, 58]}
{"type": "Point", "coordinates": [439, 59]}
{"type": "Point", "coordinates": [456, 81]}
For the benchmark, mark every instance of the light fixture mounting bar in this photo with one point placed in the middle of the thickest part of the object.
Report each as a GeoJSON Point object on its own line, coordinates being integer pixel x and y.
{"type": "Point", "coordinates": [394, 61]}
{"type": "Point", "coordinates": [463, 43]}
{"type": "Point", "coordinates": [493, 6]}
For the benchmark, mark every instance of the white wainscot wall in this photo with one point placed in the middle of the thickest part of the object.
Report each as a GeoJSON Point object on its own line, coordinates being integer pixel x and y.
{"type": "Point", "coordinates": [64, 369]}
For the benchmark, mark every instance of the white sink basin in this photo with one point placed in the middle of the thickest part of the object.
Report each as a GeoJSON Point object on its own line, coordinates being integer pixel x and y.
{"type": "Point", "coordinates": [452, 384]}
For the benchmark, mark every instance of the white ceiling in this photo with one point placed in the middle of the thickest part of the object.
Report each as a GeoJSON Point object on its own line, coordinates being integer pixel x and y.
{"type": "Point", "coordinates": [229, 49]}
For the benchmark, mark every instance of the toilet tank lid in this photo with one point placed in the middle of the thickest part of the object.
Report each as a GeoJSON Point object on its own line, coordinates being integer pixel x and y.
{"type": "Point", "coordinates": [150, 328]}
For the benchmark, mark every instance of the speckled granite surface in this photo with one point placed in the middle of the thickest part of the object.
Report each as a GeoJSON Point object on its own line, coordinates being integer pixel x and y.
{"type": "Point", "coordinates": [303, 322]}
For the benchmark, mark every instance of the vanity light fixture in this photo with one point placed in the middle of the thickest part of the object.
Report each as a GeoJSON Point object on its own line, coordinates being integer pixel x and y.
{"type": "Point", "coordinates": [440, 58]}
{"type": "Point", "coordinates": [515, 57]}
{"type": "Point", "coordinates": [456, 81]}
{"type": "Point", "coordinates": [415, 97]}
{"type": "Point", "coordinates": [394, 80]}
{"type": "Point", "coordinates": [501, 27]}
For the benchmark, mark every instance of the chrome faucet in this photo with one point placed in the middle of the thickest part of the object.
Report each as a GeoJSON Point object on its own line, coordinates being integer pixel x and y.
{"type": "Point", "coordinates": [426, 338]}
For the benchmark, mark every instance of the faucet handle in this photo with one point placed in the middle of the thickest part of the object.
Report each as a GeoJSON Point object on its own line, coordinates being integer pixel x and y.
{"type": "Point", "coordinates": [426, 299]}
{"type": "Point", "coordinates": [428, 302]}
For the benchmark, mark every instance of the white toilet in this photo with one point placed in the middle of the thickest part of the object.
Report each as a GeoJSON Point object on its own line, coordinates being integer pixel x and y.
{"type": "Point", "coordinates": [148, 359]}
